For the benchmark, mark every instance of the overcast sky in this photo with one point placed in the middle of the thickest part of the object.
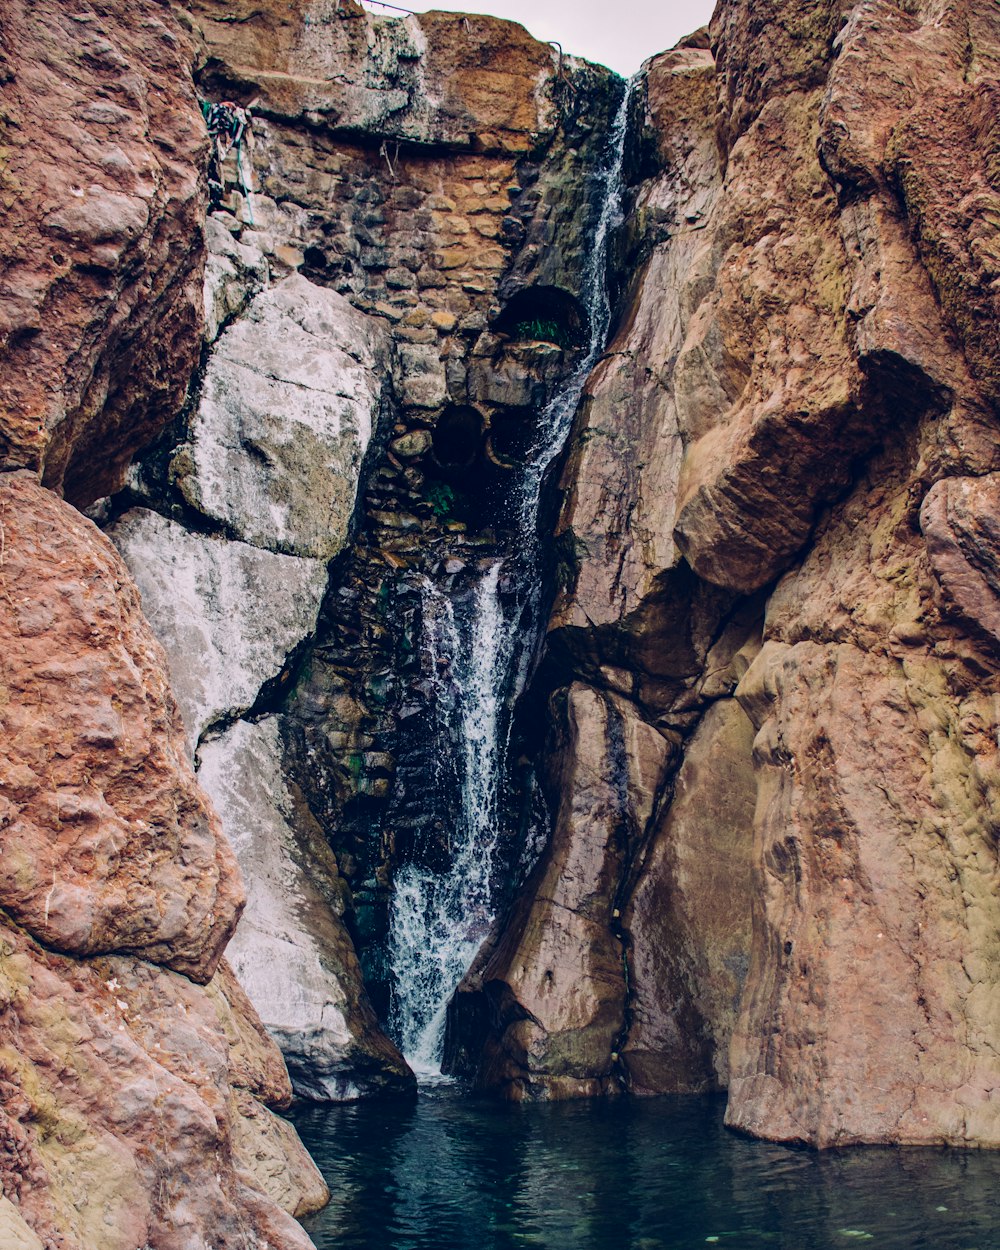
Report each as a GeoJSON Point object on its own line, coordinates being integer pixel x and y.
{"type": "Point", "coordinates": [619, 33]}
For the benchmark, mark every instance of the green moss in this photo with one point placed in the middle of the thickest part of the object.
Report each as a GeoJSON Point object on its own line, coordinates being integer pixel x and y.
{"type": "Point", "coordinates": [441, 498]}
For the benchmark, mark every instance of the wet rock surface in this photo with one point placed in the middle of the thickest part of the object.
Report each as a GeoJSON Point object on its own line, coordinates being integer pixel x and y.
{"type": "Point", "coordinates": [229, 615]}
{"type": "Point", "coordinates": [392, 295]}
{"type": "Point", "coordinates": [555, 984]}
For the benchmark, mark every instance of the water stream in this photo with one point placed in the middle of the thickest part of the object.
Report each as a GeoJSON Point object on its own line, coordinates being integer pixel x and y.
{"type": "Point", "coordinates": [476, 649]}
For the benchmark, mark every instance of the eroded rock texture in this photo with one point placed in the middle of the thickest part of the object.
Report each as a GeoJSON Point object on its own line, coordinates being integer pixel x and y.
{"type": "Point", "coordinates": [138, 1088]}
{"type": "Point", "coordinates": [767, 703]}
{"type": "Point", "coordinates": [95, 860]}
{"type": "Point", "coordinates": [102, 253]}
{"type": "Point", "coordinates": [802, 385]}
{"type": "Point", "coordinates": [133, 1099]}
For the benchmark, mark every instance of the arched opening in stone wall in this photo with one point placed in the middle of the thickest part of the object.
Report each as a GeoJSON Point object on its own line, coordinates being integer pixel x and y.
{"type": "Point", "coordinates": [510, 437]}
{"type": "Point", "coordinates": [544, 313]}
{"type": "Point", "coordinates": [457, 439]}
{"type": "Point", "coordinates": [467, 480]}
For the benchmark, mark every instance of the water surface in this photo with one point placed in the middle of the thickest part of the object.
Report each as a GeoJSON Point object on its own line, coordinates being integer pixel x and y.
{"type": "Point", "coordinates": [452, 1173]}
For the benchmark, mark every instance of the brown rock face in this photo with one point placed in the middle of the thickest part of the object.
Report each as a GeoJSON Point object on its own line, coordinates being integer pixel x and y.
{"type": "Point", "coordinates": [429, 90]}
{"type": "Point", "coordinates": [107, 842]}
{"type": "Point", "coordinates": [133, 1102]}
{"type": "Point", "coordinates": [102, 195]}
{"type": "Point", "coordinates": [135, 1078]}
{"type": "Point", "coordinates": [557, 980]}
{"type": "Point", "coordinates": [870, 1012]}
{"type": "Point", "coordinates": [803, 378]}
{"type": "Point", "coordinates": [688, 919]}
{"type": "Point", "coordinates": [133, 1108]}
{"type": "Point", "coordinates": [773, 671]}
{"type": "Point", "coordinates": [959, 522]}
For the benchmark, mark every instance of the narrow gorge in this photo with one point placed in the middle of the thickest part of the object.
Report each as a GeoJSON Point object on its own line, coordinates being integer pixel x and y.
{"type": "Point", "coordinates": [500, 585]}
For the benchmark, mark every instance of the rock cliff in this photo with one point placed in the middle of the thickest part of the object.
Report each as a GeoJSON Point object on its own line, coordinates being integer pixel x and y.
{"type": "Point", "coordinates": [749, 833]}
{"type": "Point", "coordinates": [131, 1059]}
{"type": "Point", "coordinates": [776, 524]}
{"type": "Point", "coordinates": [137, 1084]}
{"type": "Point", "coordinates": [417, 206]}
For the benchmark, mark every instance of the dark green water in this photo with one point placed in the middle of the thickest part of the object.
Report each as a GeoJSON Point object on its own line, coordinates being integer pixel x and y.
{"type": "Point", "coordinates": [449, 1173]}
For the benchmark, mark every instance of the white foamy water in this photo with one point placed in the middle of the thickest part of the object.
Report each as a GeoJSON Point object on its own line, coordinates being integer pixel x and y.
{"type": "Point", "coordinates": [438, 920]}
{"type": "Point", "coordinates": [476, 657]}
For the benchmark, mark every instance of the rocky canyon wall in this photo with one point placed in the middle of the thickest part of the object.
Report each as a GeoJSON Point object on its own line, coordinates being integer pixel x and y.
{"type": "Point", "coordinates": [777, 565]}
{"type": "Point", "coordinates": [390, 299]}
{"type": "Point", "coordinates": [759, 742]}
{"type": "Point", "coordinates": [137, 1084]}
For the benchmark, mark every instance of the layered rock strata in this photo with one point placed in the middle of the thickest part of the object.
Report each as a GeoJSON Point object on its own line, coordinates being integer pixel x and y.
{"type": "Point", "coordinates": [769, 745]}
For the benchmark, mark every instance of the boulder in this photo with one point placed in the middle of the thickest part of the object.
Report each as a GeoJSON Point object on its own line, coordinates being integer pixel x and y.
{"type": "Point", "coordinates": [107, 843]}
{"type": "Point", "coordinates": [129, 1119]}
{"type": "Point", "coordinates": [134, 1099]}
{"type": "Point", "coordinates": [291, 951]}
{"type": "Point", "coordinates": [289, 402]}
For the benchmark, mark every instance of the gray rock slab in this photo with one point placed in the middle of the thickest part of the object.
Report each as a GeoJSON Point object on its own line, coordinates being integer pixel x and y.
{"type": "Point", "coordinates": [227, 614]}
{"type": "Point", "coordinates": [234, 272]}
{"type": "Point", "coordinates": [289, 402]}
{"type": "Point", "coordinates": [291, 951]}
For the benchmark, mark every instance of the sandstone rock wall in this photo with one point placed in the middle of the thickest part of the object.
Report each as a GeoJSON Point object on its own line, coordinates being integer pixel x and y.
{"type": "Point", "coordinates": [771, 673]}
{"type": "Point", "coordinates": [104, 148]}
{"type": "Point", "coordinates": [796, 421]}
{"type": "Point", "coordinates": [136, 1078]}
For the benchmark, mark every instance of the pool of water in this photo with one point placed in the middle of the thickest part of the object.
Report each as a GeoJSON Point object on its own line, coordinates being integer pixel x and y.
{"type": "Point", "coordinates": [453, 1173]}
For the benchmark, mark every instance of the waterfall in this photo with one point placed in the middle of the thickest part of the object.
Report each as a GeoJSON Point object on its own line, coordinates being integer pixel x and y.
{"type": "Point", "coordinates": [476, 650]}
{"type": "Point", "coordinates": [438, 920]}
{"type": "Point", "coordinates": [557, 417]}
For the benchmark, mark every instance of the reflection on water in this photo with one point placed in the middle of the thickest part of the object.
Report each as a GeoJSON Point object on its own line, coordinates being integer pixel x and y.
{"type": "Point", "coordinates": [449, 1173]}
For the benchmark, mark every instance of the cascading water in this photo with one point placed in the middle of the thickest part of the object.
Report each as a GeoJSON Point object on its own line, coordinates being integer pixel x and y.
{"type": "Point", "coordinates": [438, 920]}
{"type": "Point", "coordinates": [476, 651]}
